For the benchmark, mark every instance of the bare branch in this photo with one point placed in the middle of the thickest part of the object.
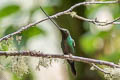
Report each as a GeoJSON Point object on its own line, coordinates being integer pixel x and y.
{"type": "Point", "coordinates": [69, 57]}
{"type": "Point", "coordinates": [57, 15]}
{"type": "Point", "coordinates": [100, 69]}
{"type": "Point", "coordinates": [94, 21]}
{"type": "Point", "coordinates": [93, 2]}
{"type": "Point", "coordinates": [21, 29]}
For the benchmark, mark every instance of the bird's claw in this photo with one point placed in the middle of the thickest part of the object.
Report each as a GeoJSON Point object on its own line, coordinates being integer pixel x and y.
{"type": "Point", "coordinates": [70, 55]}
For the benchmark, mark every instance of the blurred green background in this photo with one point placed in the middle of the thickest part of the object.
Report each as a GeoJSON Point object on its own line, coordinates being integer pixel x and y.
{"type": "Point", "coordinates": [98, 42]}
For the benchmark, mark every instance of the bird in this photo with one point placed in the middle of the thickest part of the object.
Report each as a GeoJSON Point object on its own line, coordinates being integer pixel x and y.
{"type": "Point", "coordinates": [67, 43]}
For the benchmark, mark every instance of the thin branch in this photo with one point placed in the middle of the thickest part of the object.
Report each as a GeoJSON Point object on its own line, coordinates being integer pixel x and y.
{"type": "Point", "coordinates": [94, 21]}
{"type": "Point", "coordinates": [100, 69]}
{"type": "Point", "coordinates": [93, 2]}
{"type": "Point", "coordinates": [21, 29]}
{"type": "Point", "coordinates": [55, 16]}
{"type": "Point", "coordinates": [69, 57]}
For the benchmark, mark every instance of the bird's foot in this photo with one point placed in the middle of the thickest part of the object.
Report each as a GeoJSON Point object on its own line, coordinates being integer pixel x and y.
{"type": "Point", "coordinates": [70, 55]}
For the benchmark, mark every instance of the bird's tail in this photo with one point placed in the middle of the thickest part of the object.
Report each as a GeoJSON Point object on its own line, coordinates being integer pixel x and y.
{"type": "Point", "coordinates": [72, 66]}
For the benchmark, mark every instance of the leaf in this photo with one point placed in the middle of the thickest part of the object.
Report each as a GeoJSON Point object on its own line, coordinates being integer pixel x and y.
{"type": "Point", "coordinates": [8, 10]}
{"type": "Point", "coordinates": [9, 30]}
{"type": "Point", "coordinates": [25, 35]}
{"type": "Point", "coordinates": [32, 31]}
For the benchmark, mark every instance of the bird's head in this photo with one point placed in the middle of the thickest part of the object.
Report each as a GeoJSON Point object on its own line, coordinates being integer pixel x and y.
{"type": "Point", "coordinates": [65, 33]}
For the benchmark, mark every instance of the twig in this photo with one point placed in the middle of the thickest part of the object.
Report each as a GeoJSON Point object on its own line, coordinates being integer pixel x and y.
{"type": "Point", "coordinates": [93, 2]}
{"type": "Point", "coordinates": [21, 29]}
{"type": "Point", "coordinates": [100, 69]}
{"type": "Point", "coordinates": [94, 21]}
{"type": "Point", "coordinates": [69, 57]}
{"type": "Point", "coordinates": [55, 16]}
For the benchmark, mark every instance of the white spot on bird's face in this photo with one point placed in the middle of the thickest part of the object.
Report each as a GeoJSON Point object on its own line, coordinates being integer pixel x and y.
{"type": "Point", "coordinates": [73, 43]}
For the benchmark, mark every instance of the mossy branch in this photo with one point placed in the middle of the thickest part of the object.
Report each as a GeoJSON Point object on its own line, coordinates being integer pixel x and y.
{"type": "Point", "coordinates": [69, 57]}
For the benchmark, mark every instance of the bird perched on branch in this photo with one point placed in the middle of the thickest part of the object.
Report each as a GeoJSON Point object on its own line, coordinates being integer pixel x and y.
{"type": "Point", "coordinates": [67, 43]}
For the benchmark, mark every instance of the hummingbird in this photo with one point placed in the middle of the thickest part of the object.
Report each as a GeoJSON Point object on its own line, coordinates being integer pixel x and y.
{"type": "Point", "coordinates": [67, 43]}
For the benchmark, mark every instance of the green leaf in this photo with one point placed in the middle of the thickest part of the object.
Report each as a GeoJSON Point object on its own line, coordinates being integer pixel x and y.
{"type": "Point", "coordinates": [29, 33]}
{"type": "Point", "coordinates": [8, 10]}
{"type": "Point", "coordinates": [32, 31]}
{"type": "Point", "coordinates": [9, 30]}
